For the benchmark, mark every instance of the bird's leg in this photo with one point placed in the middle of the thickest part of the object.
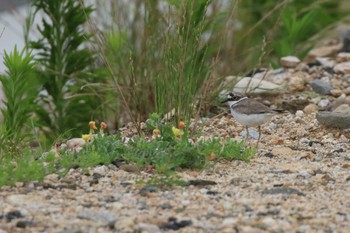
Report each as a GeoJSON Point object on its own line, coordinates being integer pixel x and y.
{"type": "Point", "coordinates": [247, 134]}
{"type": "Point", "coordinates": [257, 144]}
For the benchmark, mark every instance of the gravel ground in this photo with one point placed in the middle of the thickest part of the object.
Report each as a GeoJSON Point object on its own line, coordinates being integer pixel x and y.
{"type": "Point", "coordinates": [299, 181]}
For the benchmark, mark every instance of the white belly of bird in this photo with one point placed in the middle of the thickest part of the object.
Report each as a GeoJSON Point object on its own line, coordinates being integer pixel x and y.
{"type": "Point", "coordinates": [252, 120]}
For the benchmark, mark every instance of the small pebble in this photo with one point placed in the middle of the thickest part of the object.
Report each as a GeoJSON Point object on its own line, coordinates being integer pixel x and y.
{"type": "Point", "coordinates": [311, 108]}
{"type": "Point", "coordinates": [324, 103]}
{"type": "Point", "coordinates": [299, 113]}
{"type": "Point", "coordinates": [290, 61]}
{"type": "Point", "coordinates": [336, 92]}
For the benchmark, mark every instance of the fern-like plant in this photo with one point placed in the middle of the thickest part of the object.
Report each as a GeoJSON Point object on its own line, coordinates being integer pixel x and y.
{"type": "Point", "coordinates": [65, 71]}
{"type": "Point", "coordinates": [20, 89]}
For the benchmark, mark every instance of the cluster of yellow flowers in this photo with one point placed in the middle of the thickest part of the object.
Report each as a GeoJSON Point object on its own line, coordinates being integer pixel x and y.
{"type": "Point", "coordinates": [176, 131]}
{"type": "Point", "coordinates": [92, 125]}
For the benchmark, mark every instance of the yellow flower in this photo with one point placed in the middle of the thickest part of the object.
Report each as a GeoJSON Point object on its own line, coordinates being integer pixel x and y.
{"type": "Point", "coordinates": [212, 156]}
{"type": "Point", "coordinates": [92, 125]}
{"type": "Point", "coordinates": [103, 125]}
{"type": "Point", "coordinates": [86, 137]}
{"type": "Point", "coordinates": [177, 132]}
{"type": "Point", "coordinates": [181, 125]}
{"type": "Point", "coordinates": [156, 133]}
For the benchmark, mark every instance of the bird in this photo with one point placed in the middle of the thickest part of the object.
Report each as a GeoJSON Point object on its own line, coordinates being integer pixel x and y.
{"type": "Point", "coordinates": [249, 112]}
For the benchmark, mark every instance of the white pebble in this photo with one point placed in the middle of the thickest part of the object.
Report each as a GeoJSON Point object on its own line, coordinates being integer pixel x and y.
{"type": "Point", "coordinates": [299, 113]}
{"type": "Point", "coordinates": [323, 103]}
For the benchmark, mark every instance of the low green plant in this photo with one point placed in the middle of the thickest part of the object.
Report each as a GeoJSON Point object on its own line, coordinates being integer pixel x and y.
{"type": "Point", "coordinates": [166, 151]}
{"type": "Point", "coordinates": [20, 89]}
{"type": "Point", "coordinates": [25, 169]}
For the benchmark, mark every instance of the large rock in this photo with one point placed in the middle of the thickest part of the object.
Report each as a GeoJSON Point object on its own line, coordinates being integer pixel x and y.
{"type": "Point", "coordinates": [325, 61]}
{"type": "Point", "coordinates": [334, 119]}
{"type": "Point", "coordinates": [321, 87]}
{"type": "Point", "coordinates": [343, 108]}
{"type": "Point", "coordinates": [289, 61]}
{"type": "Point", "coordinates": [75, 142]}
{"type": "Point", "coordinates": [343, 57]}
{"type": "Point", "coordinates": [343, 67]}
{"type": "Point", "coordinates": [256, 86]}
{"type": "Point", "coordinates": [325, 51]}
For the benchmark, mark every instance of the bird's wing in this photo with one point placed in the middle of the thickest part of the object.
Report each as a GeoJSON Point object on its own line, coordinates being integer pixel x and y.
{"type": "Point", "coordinates": [246, 107]}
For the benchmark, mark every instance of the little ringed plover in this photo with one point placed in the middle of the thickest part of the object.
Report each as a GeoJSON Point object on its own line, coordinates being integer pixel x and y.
{"type": "Point", "coordinates": [249, 112]}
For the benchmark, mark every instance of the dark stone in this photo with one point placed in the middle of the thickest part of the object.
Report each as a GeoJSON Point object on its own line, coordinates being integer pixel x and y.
{"type": "Point", "coordinates": [329, 70]}
{"type": "Point", "coordinates": [148, 189]}
{"type": "Point", "coordinates": [255, 71]}
{"type": "Point", "coordinates": [321, 87]}
{"type": "Point", "coordinates": [23, 224]}
{"type": "Point", "coordinates": [118, 162]}
{"type": "Point", "coordinates": [201, 182]}
{"type": "Point", "coordinates": [165, 206]}
{"type": "Point", "coordinates": [247, 208]}
{"type": "Point", "coordinates": [212, 193]}
{"type": "Point", "coordinates": [311, 143]}
{"type": "Point", "coordinates": [96, 176]}
{"type": "Point", "coordinates": [173, 224]}
{"type": "Point", "coordinates": [269, 155]}
{"type": "Point", "coordinates": [11, 215]}
{"type": "Point", "coordinates": [126, 183]}
{"type": "Point", "coordinates": [340, 150]}
{"type": "Point", "coordinates": [269, 212]}
{"type": "Point", "coordinates": [334, 119]}
{"type": "Point", "coordinates": [111, 225]}
{"type": "Point", "coordinates": [282, 190]}
{"type": "Point", "coordinates": [315, 63]}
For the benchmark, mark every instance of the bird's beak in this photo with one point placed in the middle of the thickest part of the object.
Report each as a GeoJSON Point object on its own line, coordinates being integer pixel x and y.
{"type": "Point", "coordinates": [224, 101]}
